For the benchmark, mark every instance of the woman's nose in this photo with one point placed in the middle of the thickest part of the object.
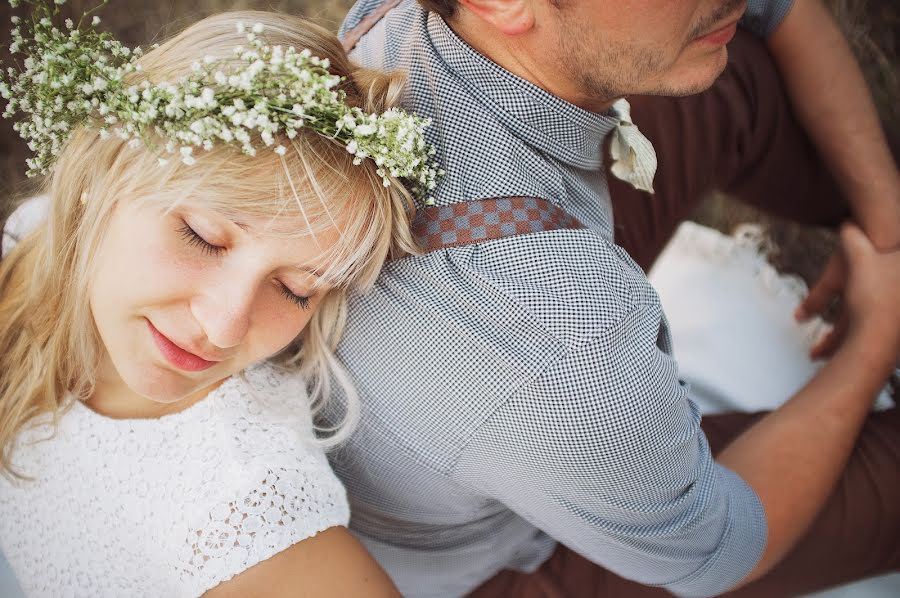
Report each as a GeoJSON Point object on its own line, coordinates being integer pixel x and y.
{"type": "Point", "coordinates": [225, 311]}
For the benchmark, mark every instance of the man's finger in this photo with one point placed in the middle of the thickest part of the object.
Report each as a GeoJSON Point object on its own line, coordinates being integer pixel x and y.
{"type": "Point", "coordinates": [824, 291]}
{"type": "Point", "coordinates": [827, 345]}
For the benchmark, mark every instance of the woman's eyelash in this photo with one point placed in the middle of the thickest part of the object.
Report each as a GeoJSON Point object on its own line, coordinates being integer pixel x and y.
{"type": "Point", "coordinates": [302, 302]}
{"type": "Point", "coordinates": [195, 240]}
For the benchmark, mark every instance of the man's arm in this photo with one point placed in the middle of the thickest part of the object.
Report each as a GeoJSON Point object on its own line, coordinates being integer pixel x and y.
{"type": "Point", "coordinates": [793, 457]}
{"type": "Point", "coordinates": [603, 450]}
{"type": "Point", "coordinates": [832, 101]}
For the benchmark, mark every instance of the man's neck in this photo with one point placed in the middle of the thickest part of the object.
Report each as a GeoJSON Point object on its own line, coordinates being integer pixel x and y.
{"type": "Point", "coordinates": [516, 55]}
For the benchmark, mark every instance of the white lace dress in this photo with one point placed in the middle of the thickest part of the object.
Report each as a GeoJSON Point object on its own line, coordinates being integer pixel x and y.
{"type": "Point", "coordinates": [170, 506]}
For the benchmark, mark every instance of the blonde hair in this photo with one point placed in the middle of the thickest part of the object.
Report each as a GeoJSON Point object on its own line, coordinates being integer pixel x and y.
{"type": "Point", "coordinates": [49, 347]}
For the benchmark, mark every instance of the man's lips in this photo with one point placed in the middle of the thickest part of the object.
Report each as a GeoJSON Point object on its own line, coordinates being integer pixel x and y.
{"type": "Point", "coordinates": [180, 358]}
{"type": "Point", "coordinates": [720, 36]}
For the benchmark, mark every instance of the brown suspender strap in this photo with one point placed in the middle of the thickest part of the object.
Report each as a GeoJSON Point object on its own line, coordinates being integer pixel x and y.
{"type": "Point", "coordinates": [354, 35]}
{"type": "Point", "coordinates": [467, 222]}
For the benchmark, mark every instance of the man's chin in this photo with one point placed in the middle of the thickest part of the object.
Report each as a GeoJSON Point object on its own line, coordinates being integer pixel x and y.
{"type": "Point", "coordinates": [696, 79]}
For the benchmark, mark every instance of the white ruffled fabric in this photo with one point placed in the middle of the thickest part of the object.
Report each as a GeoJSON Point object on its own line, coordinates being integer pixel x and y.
{"type": "Point", "coordinates": [731, 315]}
{"type": "Point", "coordinates": [170, 506]}
{"type": "Point", "coordinates": [736, 341]}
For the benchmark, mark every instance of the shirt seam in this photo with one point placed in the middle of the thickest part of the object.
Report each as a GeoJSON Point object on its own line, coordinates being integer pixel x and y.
{"type": "Point", "coordinates": [565, 353]}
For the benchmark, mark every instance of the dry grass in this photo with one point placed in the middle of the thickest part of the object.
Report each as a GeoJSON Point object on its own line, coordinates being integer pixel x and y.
{"type": "Point", "coordinates": [871, 26]}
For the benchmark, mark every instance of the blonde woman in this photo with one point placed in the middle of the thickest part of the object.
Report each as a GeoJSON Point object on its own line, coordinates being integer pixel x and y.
{"type": "Point", "coordinates": [166, 332]}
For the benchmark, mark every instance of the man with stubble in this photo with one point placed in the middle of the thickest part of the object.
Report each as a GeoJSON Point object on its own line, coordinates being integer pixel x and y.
{"type": "Point", "coordinates": [526, 433]}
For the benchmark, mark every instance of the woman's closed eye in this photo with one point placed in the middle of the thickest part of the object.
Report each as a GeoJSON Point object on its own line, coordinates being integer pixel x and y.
{"type": "Point", "coordinates": [194, 239]}
{"type": "Point", "coordinates": [301, 301]}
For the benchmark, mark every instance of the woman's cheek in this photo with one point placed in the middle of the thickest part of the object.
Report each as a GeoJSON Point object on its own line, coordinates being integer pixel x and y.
{"type": "Point", "coordinates": [281, 321]}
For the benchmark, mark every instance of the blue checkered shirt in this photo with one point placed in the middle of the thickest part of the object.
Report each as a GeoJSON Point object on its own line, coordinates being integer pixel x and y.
{"type": "Point", "coordinates": [522, 392]}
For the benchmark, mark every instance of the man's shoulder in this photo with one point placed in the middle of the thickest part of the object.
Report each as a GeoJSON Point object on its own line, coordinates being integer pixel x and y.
{"type": "Point", "coordinates": [555, 288]}
{"type": "Point", "coordinates": [764, 16]}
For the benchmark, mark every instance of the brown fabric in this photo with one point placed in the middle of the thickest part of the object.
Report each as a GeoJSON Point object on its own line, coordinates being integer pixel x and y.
{"type": "Point", "coordinates": [741, 136]}
{"type": "Point", "coordinates": [475, 221]}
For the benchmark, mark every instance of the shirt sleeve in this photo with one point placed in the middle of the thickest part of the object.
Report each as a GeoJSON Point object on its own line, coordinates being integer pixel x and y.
{"type": "Point", "coordinates": [764, 16]}
{"type": "Point", "coordinates": [604, 451]}
{"type": "Point", "coordinates": [275, 508]}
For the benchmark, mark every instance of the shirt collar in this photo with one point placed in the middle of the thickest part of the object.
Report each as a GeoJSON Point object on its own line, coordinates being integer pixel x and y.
{"type": "Point", "coordinates": [552, 125]}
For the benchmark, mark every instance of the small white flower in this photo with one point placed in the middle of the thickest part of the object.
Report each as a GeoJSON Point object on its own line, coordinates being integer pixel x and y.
{"type": "Point", "coordinates": [95, 21]}
{"type": "Point", "coordinates": [162, 161]}
{"type": "Point", "coordinates": [187, 155]}
{"type": "Point", "coordinates": [258, 28]}
{"type": "Point", "coordinates": [280, 150]}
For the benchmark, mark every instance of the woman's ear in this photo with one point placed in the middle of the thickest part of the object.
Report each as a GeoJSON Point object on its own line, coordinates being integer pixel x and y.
{"type": "Point", "coordinates": [509, 17]}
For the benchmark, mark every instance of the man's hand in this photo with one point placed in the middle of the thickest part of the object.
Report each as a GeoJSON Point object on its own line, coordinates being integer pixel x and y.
{"type": "Point", "coordinates": [824, 299]}
{"type": "Point", "coordinates": [823, 296]}
{"type": "Point", "coordinates": [830, 98]}
{"type": "Point", "coordinates": [793, 456]}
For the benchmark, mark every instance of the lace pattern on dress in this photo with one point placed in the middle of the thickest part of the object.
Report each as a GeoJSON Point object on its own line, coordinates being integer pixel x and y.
{"type": "Point", "coordinates": [170, 506]}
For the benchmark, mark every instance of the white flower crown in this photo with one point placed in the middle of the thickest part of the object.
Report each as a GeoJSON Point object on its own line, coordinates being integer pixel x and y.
{"type": "Point", "coordinates": [72, 77]}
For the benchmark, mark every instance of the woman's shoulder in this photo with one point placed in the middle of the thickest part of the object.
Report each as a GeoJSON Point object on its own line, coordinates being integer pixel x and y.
{"type": "Point", "coordinates": [271, 486]}
{"type": "Point", "coordinates": [198, 496]}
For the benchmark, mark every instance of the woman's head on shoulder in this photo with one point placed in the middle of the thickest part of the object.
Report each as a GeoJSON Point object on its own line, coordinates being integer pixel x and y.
{"type": "Point", "coordinates": [160, 278]}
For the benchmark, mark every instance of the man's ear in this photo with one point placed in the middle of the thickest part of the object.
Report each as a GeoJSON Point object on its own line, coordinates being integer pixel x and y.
{"type": "Point", "coordinates": [510, 17]}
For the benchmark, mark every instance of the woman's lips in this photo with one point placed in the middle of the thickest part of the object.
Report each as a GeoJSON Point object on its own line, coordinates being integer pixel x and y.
{"type": "Point", "coordinates": [719, 37]}
{"type": "Point", "coordinates": [177, 356]}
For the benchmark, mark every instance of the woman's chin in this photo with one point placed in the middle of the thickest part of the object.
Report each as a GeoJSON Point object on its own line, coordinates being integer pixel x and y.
{"type": "Point", "coordinates": [167, 387]}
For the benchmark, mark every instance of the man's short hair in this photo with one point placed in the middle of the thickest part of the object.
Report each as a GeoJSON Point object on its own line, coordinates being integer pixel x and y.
{"type": "Point", "coordinates": [445, 8]}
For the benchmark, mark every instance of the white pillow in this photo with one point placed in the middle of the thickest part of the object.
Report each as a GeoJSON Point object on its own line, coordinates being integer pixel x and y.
{"type": "Point", "coordinates": [731, 314]}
